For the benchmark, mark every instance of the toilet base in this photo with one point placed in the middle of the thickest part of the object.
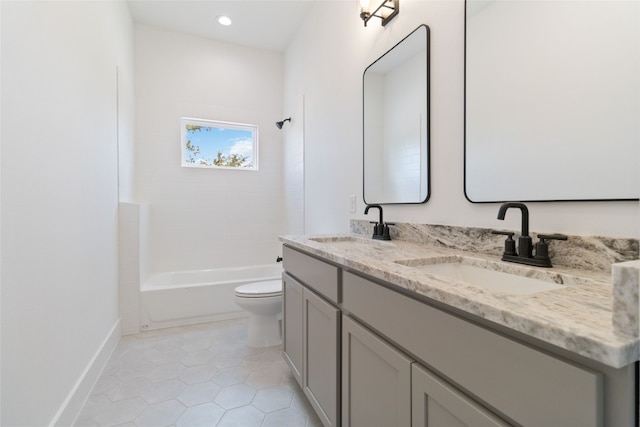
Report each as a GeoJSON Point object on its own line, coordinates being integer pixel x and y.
{"type": "Point", "coordinates": [264, 331]}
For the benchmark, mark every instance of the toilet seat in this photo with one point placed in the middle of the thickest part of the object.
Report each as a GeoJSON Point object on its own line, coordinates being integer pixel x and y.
{"type": "Point", "coordinates": [267, 288]}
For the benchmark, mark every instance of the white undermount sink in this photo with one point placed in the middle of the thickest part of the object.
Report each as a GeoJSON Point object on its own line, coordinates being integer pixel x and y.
{"type": "Point", "coordinates": [498, 281]}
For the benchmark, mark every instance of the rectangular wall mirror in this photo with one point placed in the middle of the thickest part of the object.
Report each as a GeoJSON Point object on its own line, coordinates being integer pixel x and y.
{"type": "Point", "coordinates": [552, 100]}
{"type": "Point", "coordinates": [396, 123]}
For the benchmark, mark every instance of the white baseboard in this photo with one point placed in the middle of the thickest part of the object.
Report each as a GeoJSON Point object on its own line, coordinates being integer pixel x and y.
{"type": "Point", "coordinates": [70, 409]}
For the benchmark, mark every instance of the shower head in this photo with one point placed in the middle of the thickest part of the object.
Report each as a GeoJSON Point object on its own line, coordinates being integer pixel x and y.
{"type": "Point", "coordinates": [280, 124]}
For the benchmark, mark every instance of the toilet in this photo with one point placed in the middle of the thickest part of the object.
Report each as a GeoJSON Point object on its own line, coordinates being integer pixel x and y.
{"type": "Point", "coordinates": [263, 301]}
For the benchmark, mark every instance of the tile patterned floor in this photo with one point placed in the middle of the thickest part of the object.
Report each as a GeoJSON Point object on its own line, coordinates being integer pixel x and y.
{"type": "Point", "coordinates": [198, 375]}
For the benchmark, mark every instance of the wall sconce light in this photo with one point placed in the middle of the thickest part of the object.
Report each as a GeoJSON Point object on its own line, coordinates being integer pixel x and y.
{"type": "Point", "coordinates": [386, 11]}
{"type": "Point", "coordinates": [280, 124]}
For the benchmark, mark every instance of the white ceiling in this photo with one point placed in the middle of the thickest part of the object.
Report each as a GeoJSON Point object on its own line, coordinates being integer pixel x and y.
{"type": "Point", "coordinates": [265, 24]}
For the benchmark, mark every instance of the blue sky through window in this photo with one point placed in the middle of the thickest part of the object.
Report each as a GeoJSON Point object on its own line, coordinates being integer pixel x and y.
{"type": "Point", "coordinates": [203, 140]}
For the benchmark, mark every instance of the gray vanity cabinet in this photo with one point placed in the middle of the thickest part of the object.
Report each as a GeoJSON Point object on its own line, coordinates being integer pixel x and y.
{"type": "Point", "coordinates": [368, 353]}
{"type": "Point", "coordinates": [381, 387]}
{"type": "Point", "coordinates": [436, 404]}
{"type": "Point", "coordinates": [522, 384]}
{"type": "Point", "coordinates": [312, 323]}
{"type": "Point", "coordinates": [376, 380]}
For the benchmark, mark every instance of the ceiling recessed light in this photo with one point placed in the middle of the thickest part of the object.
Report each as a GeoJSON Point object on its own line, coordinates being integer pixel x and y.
{"type": "Point", "coordinates": [224, 20]}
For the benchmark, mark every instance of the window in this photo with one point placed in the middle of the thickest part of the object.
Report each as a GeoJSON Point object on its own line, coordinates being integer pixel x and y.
{"type": "Point", "coordinates": [214, 144]}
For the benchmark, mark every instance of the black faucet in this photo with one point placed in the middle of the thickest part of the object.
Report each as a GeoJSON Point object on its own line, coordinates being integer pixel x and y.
{"type": "Point", "coordinates": [380, 229]}
{"type": "Point", "coordinates": [524, 241]}
{"type": "Point", "coordinates": [524, 254]}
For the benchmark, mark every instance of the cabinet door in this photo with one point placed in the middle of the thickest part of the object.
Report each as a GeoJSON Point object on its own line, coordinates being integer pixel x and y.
{"type": "Point", "coordinates": [376, 380]}
{"type": "Point", "coordinates": [437, 404]}
{"type": "Point", "coordinates": [293, 323]}
{"type": "Point", "coordinates": [321, 356]}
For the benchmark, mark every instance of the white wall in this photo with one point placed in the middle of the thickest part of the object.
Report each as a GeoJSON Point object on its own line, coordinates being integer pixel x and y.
{"type": "Point", "coordinates": [320, 65]}
{"type": "Point", "coordinates": [59, 200]}
{"type": "Point", "coordinates": [206, 218]}
{"type": "Point", "coordinates": [0, 213]}
{"type": "Point", "coordinates": [325, 63]}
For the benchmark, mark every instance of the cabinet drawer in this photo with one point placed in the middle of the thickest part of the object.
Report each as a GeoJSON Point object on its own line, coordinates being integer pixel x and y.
{"type": "Point", "coordinates": [317, 275]}
{"type": "Point", "coordinates": [528, 386]}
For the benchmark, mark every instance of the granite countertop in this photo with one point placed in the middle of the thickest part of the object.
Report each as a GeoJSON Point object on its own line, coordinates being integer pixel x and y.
{"type": "Point", "coordinates": [577, 317]}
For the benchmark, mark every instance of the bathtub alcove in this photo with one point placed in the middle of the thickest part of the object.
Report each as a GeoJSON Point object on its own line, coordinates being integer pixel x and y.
{"type": "Point", "coordinates": [185, 297]}
{"type": "Point", "coordinates": [154, 300]}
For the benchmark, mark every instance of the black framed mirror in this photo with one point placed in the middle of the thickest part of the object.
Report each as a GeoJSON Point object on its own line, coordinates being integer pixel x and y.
{"type": "Point", "coordinates": [552, 100]}
{"type": "Point", "coordinates": [396, 123]}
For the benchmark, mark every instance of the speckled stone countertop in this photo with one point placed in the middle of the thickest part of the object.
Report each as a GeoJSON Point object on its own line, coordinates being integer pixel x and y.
{"type": "Point", "coordinates": [577, 317]}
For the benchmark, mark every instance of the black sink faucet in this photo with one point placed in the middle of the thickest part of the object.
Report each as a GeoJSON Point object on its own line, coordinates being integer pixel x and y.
{"type": "Point", "coordinates": [524, 254]}
{"type": "Point", "coordinates": [366, 211]}
{"type": "Point", "coordinates": [524, 241]}
{"type": "Point", "coordinates": [380, 229]}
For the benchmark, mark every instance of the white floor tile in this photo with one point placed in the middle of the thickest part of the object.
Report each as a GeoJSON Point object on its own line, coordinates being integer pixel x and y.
{"type": "Point", "coordinates": [273, 399]}
{"type": "Point", "coordinates": [160, 414]}
{"type": "Point", "coordinates": [205, 415]}
{"type": "Point", "coordinates": [121, 412]}
{"type": "Point", "coordinates": [166, 371]}
{"type": "Point", "coordinates": [159, 392]}
{"type": "Point", "coordinates": [244, 416]}
{"type": "Point", "coordinates": [230, 376]}
{"type": "Point", "coordinates": [235, 396]}
{"type": "Point", "coordinates": [284, 418]}
{"type": "Point", "coordinates": [198, 375]}
{"type": "Point", "coordinates": [196, 394]}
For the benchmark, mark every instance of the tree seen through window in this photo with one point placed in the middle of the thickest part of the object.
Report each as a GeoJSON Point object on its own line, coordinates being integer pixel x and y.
{"type": "Point", "coordinates": [211, 144]}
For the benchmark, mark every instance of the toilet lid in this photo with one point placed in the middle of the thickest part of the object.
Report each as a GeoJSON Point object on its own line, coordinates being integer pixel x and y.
{"type": "Point", "coordinates": [268, 288]}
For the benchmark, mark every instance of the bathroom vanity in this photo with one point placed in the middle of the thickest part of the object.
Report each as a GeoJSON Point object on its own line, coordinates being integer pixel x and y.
{"type": "Point", "coordinates": [375, 337]}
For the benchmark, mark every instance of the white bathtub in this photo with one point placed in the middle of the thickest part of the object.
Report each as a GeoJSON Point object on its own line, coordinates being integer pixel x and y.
{"type": "Point", "coordinates": [186, 297]}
